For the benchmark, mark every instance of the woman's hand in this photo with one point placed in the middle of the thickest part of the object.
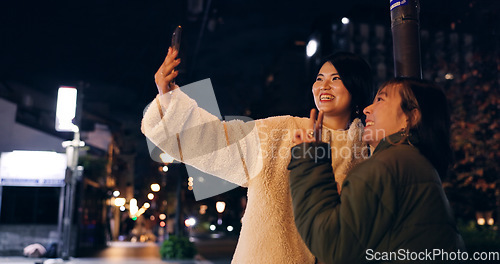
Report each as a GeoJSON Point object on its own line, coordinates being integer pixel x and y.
{"type": "Point", "coordinates": [313, 132]}
{"type": "Point", "coordinates": [166, 73]}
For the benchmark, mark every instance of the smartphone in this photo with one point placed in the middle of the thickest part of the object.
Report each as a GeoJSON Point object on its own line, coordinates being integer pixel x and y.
{"type": "Point", "coordinates": [176, 44]}
{"type": "Point", "coordinates": [176, 38]}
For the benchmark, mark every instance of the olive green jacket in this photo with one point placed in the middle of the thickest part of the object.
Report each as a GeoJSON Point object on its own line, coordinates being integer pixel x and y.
{"type": "Point", "coordinates": [392, 202]}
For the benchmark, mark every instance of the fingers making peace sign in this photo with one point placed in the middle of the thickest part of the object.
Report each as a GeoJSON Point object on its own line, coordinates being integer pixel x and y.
{"type": "Point", "coordinates": [313, 132]}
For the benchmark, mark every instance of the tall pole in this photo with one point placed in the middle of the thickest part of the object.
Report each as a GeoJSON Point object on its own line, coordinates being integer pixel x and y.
{"type": "Point", "coordinates": [65, 114]}
{"type": "Point", "coordinates": [61, 219]}
{"type": "Point", "coordinates": [405, 27]}
{"type": "Point", "coordinates": [178, 222]}
{"type": "Point", "coordinates": [72, 148]}
{"type": "Point", "coordinates": [1, 189]}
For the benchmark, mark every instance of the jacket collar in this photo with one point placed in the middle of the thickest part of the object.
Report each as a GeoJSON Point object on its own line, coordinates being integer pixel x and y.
{"type": "Point", "coordinates": [394, 139]}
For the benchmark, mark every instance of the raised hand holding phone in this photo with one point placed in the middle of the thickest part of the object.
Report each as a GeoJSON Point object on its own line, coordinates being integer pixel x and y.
{"type": "Point", "coordinates": [165, 76]}
{"type": "Point", "coordinates": [176, 44]}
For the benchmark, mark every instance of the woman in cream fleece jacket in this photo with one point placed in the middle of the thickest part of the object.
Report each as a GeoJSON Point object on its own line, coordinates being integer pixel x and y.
{"type": "Point", "coordinates": [256, 154]}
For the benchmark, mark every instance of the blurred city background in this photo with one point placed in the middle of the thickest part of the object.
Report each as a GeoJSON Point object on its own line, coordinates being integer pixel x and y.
{"type": "Point", "coordinates": [262, 57]}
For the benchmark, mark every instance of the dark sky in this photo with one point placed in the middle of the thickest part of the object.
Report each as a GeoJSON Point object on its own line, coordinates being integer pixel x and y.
{"type": "Point", "coordinates": [116, 46]}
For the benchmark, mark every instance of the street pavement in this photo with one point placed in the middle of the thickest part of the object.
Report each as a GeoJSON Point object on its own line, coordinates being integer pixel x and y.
{"type": "Point", "coordinates": [211, 251]}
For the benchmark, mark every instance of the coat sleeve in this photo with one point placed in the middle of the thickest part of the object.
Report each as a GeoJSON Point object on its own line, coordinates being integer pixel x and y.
{"type": "Point", "coordinates": [229, 150]}
{"type": "Point", "coordinates": [337, 229]}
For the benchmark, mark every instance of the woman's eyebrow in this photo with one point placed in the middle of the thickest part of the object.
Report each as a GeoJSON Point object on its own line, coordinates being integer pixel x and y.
{"type": "Point", "coordinates": [384, 93]}
{"type": "Point", "coordinates": [335, 73]}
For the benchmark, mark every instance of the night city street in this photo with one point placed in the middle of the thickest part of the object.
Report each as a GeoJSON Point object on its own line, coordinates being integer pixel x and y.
{"type": "Point", "coordinates": [214, 251]}
{"type": "Point", "coordinates": [104, 160]}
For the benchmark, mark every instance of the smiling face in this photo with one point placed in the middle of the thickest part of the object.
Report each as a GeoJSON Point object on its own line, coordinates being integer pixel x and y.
{"type": "Point", "coordinates": [384, 117]}
{"type": "Point", "coordinates": [330, 94]}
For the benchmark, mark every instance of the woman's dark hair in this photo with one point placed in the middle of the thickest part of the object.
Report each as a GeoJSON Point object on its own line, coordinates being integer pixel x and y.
{"type": "Point", "coordinates": [433, 126]}
{"type": "Point", "coordinates": [356, 75]}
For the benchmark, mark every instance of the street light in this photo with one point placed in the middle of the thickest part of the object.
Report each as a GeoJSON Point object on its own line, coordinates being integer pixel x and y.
{"type": "Point", "coordinates": [120, 202]}
{"type": "Point", "coordinates": [165, 158]}
{"type": "Point", "coordinates": [65, 113]}
{"type": "Point", "coordinates": [190, 222]}
{"type": "Point", "coordinates": [133, 207]}
{"type": "Point", "coordinates": [220, 206]}
{"type": "Point", "coordinates": [311, 48]}
{"type": "Point", "coordinates": [66, 109]}
{"type": "Point", "coordinates": [155, 187]}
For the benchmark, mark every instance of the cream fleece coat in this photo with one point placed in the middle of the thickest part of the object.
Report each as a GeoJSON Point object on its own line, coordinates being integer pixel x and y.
{"type": "Point", "coordinates": [252, 154]}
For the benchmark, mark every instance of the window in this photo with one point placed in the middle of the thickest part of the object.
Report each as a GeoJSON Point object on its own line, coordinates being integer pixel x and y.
{"type": "Point", "coordinates": [30, 205]}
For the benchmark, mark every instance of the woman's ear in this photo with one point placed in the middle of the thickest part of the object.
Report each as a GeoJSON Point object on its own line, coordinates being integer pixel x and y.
{"type": "Point", "coordinates": [415, 117]}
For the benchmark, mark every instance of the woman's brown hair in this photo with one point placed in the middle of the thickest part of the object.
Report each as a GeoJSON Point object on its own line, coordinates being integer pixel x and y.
{"type": "Point", "coordinates": [426, 107]}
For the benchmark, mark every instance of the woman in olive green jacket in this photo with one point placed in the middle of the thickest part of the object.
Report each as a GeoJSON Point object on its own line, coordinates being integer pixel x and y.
{"type": "Point", "coordinates": [392, 206]}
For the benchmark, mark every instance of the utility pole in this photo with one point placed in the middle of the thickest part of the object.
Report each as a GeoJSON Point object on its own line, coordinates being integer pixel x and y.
{"type": "Point", "coordinates": [405, 27]}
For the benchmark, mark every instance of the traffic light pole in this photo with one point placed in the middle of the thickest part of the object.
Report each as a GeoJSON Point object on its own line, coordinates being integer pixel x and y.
{"type": "Point", "coordinates": [405, 27]}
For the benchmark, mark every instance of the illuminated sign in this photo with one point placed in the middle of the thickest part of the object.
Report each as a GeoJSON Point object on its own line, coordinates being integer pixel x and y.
{"type": "Point", "coordinates": [32, 168]}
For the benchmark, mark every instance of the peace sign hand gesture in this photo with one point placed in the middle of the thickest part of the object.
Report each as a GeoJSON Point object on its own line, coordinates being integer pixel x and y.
{"type": "Point", "coordinates": [313, 131]}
